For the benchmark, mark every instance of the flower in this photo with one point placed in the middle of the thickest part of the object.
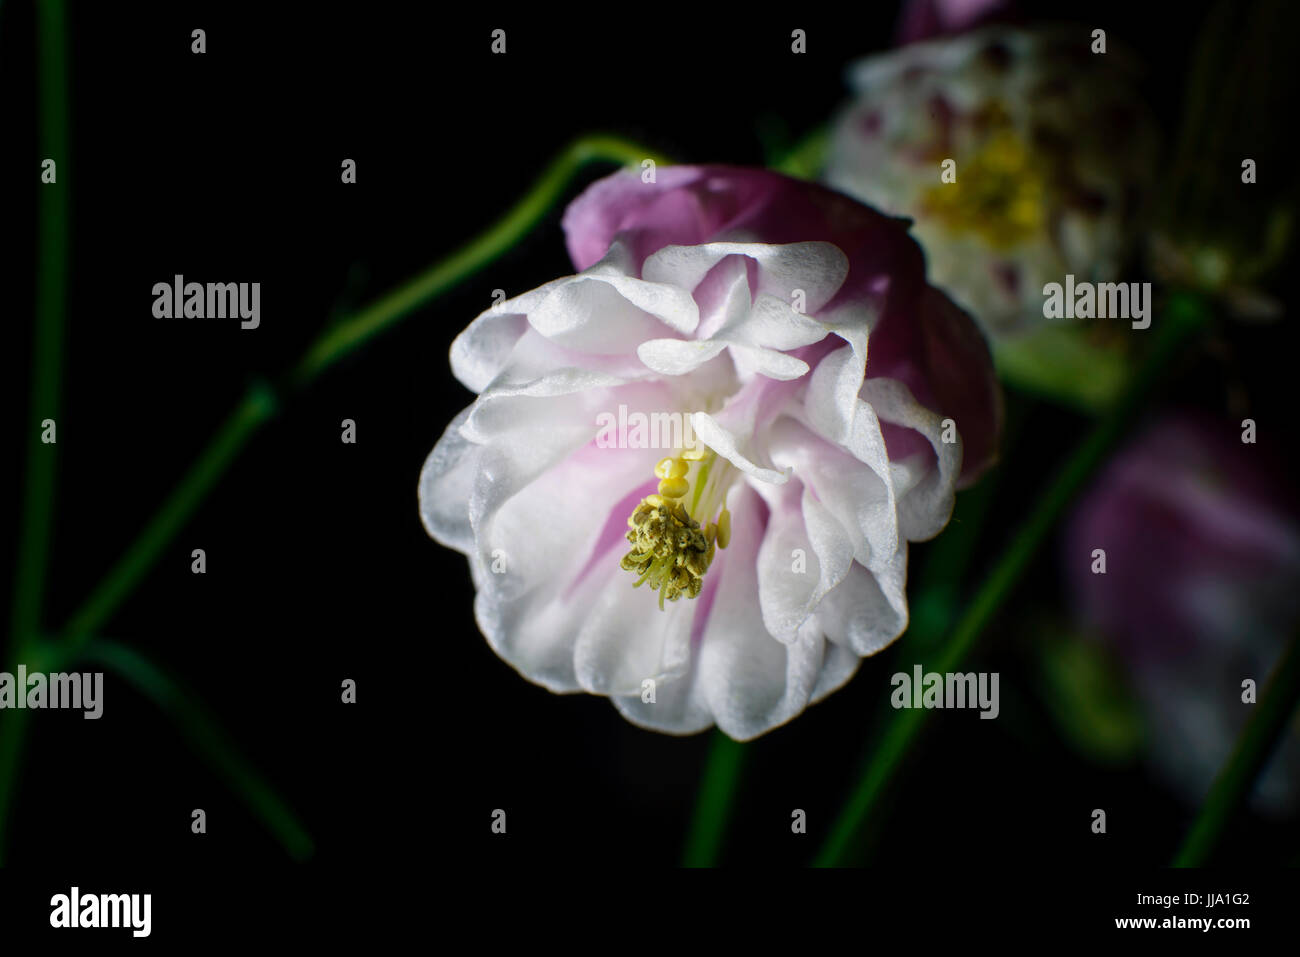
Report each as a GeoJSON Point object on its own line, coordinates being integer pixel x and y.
{"type": "Point", "coordinates": [768, 533]}
{"type": "Point", "coordinates": [924, 19]}
{"type": "Point", "coordinates": [1201, 587]}
{"type": "Point", "coordinates": [1051, 158]}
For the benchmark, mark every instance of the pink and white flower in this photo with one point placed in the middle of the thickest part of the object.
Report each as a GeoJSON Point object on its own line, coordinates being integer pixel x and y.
{"type": "Point", "coordinates": [793, 329]}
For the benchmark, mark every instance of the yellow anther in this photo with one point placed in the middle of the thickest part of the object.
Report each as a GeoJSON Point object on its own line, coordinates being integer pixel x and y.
{"type": "Point", "coordinates": [724, 528]}
{"type": "Point", "coordinates": [671, 469]}
{"type": "Point", "coordinates": [669, 551]}
{"type": "Point", "coordinates": [695, 454]}
{"type": "Point", "coordinates": [674, 487]}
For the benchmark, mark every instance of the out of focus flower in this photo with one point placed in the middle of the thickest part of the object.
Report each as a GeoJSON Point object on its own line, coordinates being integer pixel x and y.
{"type": "Point", "coordinates": [1201, 588]}
{"type": "Point", "coordinates": [926, 19]}
{"type": "Point", "coordinates": [791, 332]}
{"type": "Point", "coordinates": [1051, 158]}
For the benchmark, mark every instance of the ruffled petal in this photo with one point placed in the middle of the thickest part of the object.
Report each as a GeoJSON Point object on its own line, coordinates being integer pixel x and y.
{"type": "Point", "coordinates": [752, 681]}
{"type": "Point", "coordinates": [924, 481]}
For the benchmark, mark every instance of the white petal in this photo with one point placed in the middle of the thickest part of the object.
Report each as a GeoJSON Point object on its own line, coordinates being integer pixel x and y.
{"type": "Point", "coordinates": [867, 610]}
{"type": "Point", "coordinates": [678, 356]}
{"type": "Point", "coordinates": [709, 431]}
{"type": "Point", "coordinates": [481, 351]}
{"type": "Point", "coordinates": [671, 303]}
{"type": "Point", "coordinates": [816, 268]}
{"type": "Point", "coordinates": [831, 402]}
{"type": "Point", "coordinates": [679, 706]}
{"type": "Point", "coordinates": [751, 361]}
{"type": "Point", "coordinates": [854, 485]}
{"type": "Point", "coordinates": [550, 552]}
{"type": "Point", "coordinates": [589, 315]}
{"type": "Point", "coordinates": [925, 485]}
{"type": "Point", "coordinates": [446, 481]}
{"type": "Point", "coordinates": [804, 554]}
{"type": "Point", "coordinates": [751, 681]}
{"type": "Point", "coordinates": [839, 664]}
{"type": "Point", "coordinates": [773, 324]}
{"type": "Point", "coordinates": [626, 639]}
{"type": "Point", "coordinates": [727, 287]}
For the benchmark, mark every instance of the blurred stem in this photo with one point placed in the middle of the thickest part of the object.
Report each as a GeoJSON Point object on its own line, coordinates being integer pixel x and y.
{"type": "Point", "coordinates": [721, 778]}
{"type": "Point", "coordinates": [122, 578]}
{"type": "Point", "coordinates": [938, 589]}
{"type": "Point", "coordinates": [1184, 316]}
{"type": "Point", "coordinates": [1257, 742]}
{"type": "Point", "coordinates": [200, 726]}
{"type": "Point", "coordinates": [52, 230]}
{"type": "Point", "coordinates": [259, 404]}
{"type": "Point", "coordinates": [256, 407]}
{"type": "Point", "coordinates": [51, 309]}
{"type": "Point", "coordinates": [469, 259]}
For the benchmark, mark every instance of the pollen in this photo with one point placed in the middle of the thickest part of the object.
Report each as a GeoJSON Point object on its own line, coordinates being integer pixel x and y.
{"type": "Point", "coordinates": [671, 551]}
{"type": "Point", "coordinates": [1000, 195]}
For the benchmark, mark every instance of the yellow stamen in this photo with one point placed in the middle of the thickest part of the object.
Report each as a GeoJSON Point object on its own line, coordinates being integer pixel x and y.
{"type": "Point", "coordinates": [671, 468]}
{"type": "Point", "coordinates": [674, 487]}
{"type": "Point", "coordinates": [724, 528]}
{"type": "Point", "coordinates": [1001, 193]}
{"type": "Point", "coordinates": [670, 550]}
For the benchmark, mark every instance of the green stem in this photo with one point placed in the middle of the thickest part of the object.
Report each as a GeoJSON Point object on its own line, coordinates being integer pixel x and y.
{"type": "Point", "coordinates": [51, 308]}
{"type": "Point", "coordinates": [201, 728]}
{"type": "Point", "coordinates": [332, 345]}
{"type": "Point", "coordinates": [469, 259]}
{"type": "Point", "coordinates": [230, 439]}
{"type": "Point", "coordinates": [259, 404]}
{"type": "Point", "coordinates": [52, 246]}
{"type": "Point", "coordinates": [1254, 747]}
{"type": "Point", "coordinates": [721, 778]}
{"type": "Point", "coordinates": [1184, 316]}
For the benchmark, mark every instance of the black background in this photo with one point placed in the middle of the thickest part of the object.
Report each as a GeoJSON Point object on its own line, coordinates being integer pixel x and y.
{"type": "Point", "coordinates": [225, 167]}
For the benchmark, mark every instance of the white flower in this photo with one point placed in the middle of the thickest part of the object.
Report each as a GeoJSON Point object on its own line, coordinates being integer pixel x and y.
{"type": "Point", "coordinates": [1051, 158]}
{"type": "Point", "coordinates": [772, 553]}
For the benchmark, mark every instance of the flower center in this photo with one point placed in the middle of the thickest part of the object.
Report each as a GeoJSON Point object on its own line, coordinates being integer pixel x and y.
{"type": "Point", "coordinates": [670, 549]}
{"type": "Point", "coordinates": [1002, 195]}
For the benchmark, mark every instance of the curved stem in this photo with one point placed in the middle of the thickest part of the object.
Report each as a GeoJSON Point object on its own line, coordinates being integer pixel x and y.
{"type": "Point", "coordinates": [1254, 747]}
{"type": "Point", "coordinates": [51, 307]}
{"type": "Point", "coordinates": [32, 561]}
{"type": "Point", "coordinates": [1184, 316]}
{"type": "Point", "coordinates": [469, 259]}
{"type": "Point", "coordinates": [230, 439]}
{"type": "Point", "coordinates": [201, 728]}
{"type": "Point", "coordinates": [259, 404]}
